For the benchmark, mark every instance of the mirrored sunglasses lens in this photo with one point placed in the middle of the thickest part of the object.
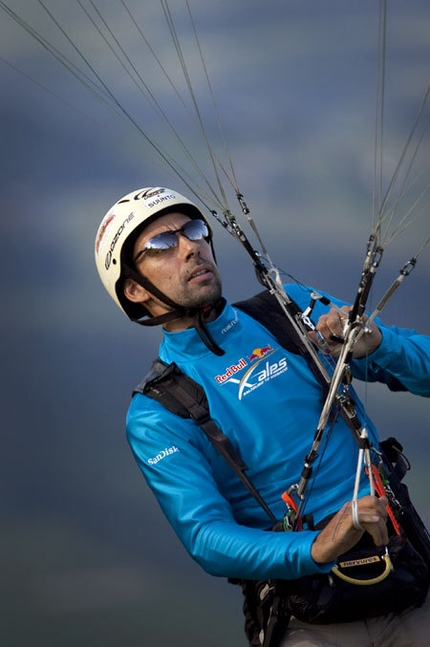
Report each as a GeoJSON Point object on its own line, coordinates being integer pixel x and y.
{"type": "Point", "coordinates": [193, 230]}
{"type": "Point", "coordinates": [162, 241]}
{"type": "Point", "coordinates": [196, 230]}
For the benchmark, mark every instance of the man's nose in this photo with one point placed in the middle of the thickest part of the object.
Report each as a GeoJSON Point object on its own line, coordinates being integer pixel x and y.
{"type": "Point", "coordinates": [186, 247]}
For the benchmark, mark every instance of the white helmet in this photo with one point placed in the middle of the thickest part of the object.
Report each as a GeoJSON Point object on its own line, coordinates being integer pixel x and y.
{"type": "Point", "coordinates": [118, 231]}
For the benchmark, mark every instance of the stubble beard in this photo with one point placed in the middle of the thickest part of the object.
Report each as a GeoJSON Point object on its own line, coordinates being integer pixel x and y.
{"type": "Point", "coordinates": [201, 296]}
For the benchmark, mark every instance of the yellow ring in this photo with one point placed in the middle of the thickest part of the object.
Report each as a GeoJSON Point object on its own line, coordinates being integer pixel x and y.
{"type": "Point", "coordinates": [374, 580]}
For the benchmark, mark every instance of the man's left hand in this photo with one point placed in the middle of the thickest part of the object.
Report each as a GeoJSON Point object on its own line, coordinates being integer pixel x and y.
{"type": "Point", "coordinates": [332, 327]}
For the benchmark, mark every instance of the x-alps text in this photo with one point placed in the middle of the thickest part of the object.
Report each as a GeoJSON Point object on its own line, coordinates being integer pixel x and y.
{"type": "Point", "coordinates": [257, 374]}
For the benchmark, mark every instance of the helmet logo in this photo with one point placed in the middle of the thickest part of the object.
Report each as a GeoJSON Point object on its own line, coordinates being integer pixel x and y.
{"type": "Point", "coordinates": [102, 230]}
{"type": "Point", "coordinates": [156, 194]}
{"type": "Point", "coordinates": [148, 193]}
{"type": "Point", "coordinates": [108, 259]}
{"type": "Point", "coordinates": [162, 198]}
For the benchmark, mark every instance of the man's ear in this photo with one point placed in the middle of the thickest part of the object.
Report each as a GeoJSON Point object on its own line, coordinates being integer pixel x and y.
{"type": "Point", "coordinates": [135, 292]}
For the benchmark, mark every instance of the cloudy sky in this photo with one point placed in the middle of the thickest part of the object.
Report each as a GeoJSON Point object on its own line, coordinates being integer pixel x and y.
{"type": "Point", "coordinates": [89, 559]}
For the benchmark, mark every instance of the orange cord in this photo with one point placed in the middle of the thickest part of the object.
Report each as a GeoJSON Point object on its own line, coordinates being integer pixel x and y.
{"type": "Point", "coordinates": [380, 489]}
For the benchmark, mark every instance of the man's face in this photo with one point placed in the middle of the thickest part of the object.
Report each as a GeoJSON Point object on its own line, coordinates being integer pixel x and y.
{"type": "Point", "coordinates": [186, 273]}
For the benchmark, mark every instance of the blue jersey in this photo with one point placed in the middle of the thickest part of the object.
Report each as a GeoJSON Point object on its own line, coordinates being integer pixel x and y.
{"type": "Point", "coordinates": [268, 402]}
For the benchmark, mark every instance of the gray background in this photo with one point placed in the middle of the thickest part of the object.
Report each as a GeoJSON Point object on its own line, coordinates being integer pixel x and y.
{"type": "Point", "coordinates": [87, 557]}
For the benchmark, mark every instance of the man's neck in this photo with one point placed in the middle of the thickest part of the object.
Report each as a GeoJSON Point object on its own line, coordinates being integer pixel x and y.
{"type": "Point", "coordinates": [210, 313]}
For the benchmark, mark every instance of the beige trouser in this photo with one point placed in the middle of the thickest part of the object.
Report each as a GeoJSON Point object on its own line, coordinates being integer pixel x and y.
{"type": "Point", "coordinates": [409, 629]}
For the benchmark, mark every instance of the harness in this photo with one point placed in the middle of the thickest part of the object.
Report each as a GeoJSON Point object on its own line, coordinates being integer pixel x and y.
{"type": "Point", "coordinates": [266, 613]}
{"type": "Point", "coordinates": [181, 395]}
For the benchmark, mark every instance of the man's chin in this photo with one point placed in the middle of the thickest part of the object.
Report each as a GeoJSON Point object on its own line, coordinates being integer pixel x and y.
{"type": "Point", "coordinates": [205, 296]}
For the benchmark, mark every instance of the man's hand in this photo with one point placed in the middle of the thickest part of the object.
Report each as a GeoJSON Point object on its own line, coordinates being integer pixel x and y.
{"type": "Point", "coordinates": [340, 534]}
{"type": "Point", "coordinates": [332, 326]}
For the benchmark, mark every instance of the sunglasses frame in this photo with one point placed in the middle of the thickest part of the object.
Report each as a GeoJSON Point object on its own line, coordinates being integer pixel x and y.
{"type": "Point", "coordinates": [174, 234]}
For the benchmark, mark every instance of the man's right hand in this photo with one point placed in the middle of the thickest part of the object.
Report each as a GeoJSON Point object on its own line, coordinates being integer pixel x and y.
{"type": "Point", "coordinates": [340, 534]}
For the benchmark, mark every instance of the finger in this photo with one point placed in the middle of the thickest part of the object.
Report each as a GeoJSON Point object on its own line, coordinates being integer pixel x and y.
{"type": "Point", "coordinates": [378, 532]}
{"type": "Point", "coordinates": [326, 328]}
{"type": "Point", "coordinates": [337, 338]}
{"type": "Point", "coordinates": [370, 514]}
{"type": "Point", "coordinates": [335, 322]}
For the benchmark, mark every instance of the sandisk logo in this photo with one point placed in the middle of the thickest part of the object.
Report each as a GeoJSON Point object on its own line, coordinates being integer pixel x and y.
{"type": "Point", "coordinates": [165, 452]}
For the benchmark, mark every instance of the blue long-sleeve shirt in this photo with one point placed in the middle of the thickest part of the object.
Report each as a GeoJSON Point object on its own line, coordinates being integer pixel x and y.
{"type": "Point", "coordinates": [267, 401]}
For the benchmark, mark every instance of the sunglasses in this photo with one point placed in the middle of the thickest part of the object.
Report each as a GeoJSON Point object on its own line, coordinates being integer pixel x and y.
{"type": "Point", "coordinates": [193, 230]}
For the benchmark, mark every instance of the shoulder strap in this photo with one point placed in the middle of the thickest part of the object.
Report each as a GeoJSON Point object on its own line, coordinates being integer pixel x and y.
{"type": "Point", "coordinates": [181, 395]}
{"type": "Point", "coordinates": [265, 308]}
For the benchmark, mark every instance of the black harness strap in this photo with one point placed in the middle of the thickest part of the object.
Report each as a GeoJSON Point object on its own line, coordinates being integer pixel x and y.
{"type": "Point", "coordinates": [265, 308]}
{"type": "Point", "coordinates": [187, 399]}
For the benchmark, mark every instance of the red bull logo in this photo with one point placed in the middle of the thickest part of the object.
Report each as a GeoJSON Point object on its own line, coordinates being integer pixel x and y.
{"type": "Point", "coordinates": [258, 353]}
{"type": "Point", "coordinates": [231, 370]}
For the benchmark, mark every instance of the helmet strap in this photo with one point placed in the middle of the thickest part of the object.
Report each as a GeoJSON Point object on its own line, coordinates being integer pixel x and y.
{"type": "Point", "coordinates": [197, 314]}
{"type": "Point", "coordinates": [202, 329]}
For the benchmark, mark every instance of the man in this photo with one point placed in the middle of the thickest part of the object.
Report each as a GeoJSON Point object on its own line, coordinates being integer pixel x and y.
{"type": "Point", "coordinates": [155, 257]}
